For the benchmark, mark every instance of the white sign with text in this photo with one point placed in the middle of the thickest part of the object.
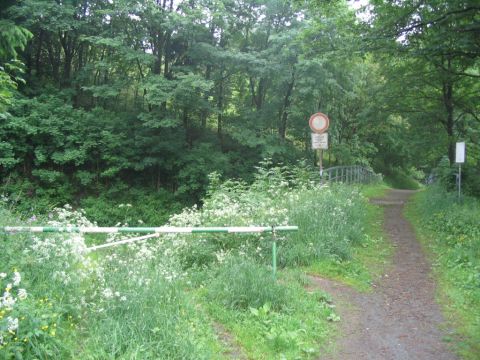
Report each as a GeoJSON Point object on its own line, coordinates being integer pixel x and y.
{"type": "Point", "coordinates": [460, 153]}
{"type": "Point", "coordinates": [320, 141]}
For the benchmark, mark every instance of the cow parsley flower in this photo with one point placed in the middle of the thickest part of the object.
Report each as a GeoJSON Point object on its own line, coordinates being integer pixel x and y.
{"type": "Point", "coordinates": [7, 301]}
{"type": "Point", "coordinates": [16, 278]}
{"type": "Point", "coordinates": [12, 323]}
{"type": "Point", "coordinates": [107, 293]}
{"type": "Point", "coordinates": [22, 294]}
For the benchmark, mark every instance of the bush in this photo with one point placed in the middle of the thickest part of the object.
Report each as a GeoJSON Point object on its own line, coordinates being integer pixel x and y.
{"type": "Point", "coordinates": [136, 207]}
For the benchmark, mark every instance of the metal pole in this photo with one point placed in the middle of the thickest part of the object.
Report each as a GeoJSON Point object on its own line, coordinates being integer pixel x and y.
{"type": "Point", "coordinates": [145, 230]}
{"type": "Point", "coordinates": [274, 253]}
{"type": "Point", "coordinates": [459, 181]}
{"type": "Point", "coordinates": [320, 160]}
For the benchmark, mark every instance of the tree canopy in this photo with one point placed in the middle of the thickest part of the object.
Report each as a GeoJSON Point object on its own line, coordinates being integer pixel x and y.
{"type": "Point", "coordinates": [159, 94]}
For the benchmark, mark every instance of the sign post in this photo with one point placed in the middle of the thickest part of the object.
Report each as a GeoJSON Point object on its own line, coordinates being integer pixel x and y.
{"type": "Point", "coordinates": [460, 159]}
{"type": "Point", "coordinates": [319, 123]}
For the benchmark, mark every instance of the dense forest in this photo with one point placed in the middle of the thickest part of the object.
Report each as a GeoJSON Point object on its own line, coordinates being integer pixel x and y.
{"type": "Point", "coordinates": [189, 118]}
{"type": "Point", "coordinates": [129, 100]}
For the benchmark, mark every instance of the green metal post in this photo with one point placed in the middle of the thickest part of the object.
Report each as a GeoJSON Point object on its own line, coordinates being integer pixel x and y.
{"type": "Point", "coordinates": [274, 253]}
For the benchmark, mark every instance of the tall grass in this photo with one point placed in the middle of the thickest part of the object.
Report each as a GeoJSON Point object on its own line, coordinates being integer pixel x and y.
{"type": "Point", "coordinates": [451, 230]}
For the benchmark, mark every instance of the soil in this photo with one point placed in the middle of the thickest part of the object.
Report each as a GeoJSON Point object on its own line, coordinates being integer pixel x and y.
{"type": "Point", "coordinates": [400, 318]}
{"type": "Point", "coordinates": [232, 349]}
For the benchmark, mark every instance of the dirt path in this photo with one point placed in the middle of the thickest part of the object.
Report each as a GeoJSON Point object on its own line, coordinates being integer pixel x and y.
{"type": "Point", "coordinates": [400, 319]}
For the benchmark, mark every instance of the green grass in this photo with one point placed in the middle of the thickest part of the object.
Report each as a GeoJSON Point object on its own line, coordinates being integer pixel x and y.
{"type": "Point", "coordinates": [368, 261]}
{"type": "Point", "coordinates": [450, 233]}
{"type": "Point", "coordinates": [399, 179]}
{"type": "Point", "coordinates": [377, 190]}
{"type": "Point", "coordinates": [297, 330]}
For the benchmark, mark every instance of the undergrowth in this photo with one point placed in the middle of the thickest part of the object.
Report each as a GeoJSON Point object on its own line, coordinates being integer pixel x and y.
{"type": "Point", "coordinates": [450, 230]}
{"type": "Point", "coordinates": [159, 298]}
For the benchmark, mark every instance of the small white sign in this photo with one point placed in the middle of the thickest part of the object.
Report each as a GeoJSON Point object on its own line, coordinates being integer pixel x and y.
{"type": "Point", "coordinates": [320, 141]}
{"type": "Point", "coordinates": [460, 153]}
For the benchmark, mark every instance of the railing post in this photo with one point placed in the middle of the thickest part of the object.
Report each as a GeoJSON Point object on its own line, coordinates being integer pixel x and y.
{"type": "Point", "coordinates": [274, 253]}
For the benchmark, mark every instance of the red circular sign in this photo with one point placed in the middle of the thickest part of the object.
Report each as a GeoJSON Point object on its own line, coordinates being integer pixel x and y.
{"type": "Point", "coordinates": [319, 122]}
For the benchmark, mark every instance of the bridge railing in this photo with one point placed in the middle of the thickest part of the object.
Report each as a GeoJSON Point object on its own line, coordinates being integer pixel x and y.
{"type": "Point", "coordinates": [351, 174]}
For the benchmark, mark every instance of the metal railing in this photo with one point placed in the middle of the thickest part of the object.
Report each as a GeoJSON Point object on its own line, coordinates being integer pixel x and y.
{"type": "Point", "coordinates": [351, 174]}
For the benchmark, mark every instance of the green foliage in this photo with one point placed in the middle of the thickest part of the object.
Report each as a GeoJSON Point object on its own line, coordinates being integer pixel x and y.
{"type": "Point", "coordinates": [321, 214]}
{"type": "Point", "coordinates": [400, 179]}
{"type": "Point", "coordinates": [242, 284]}
{"type": "Point", "coordinates": [450, 230]}
{"type": "Point", "coordinates": [12, 38]}
{"type": "Point", "coordinates": [138, 207]}
{"type": "Point", "coordinates": [112, 309]}
{"type": "Point", "coordinates": [161, 324]}
{"type": "Point", "coordinates": [330, 219]}
{"type": "Point", "coordinates": [447, 175]}
{"type": "Point", "coordinates": [265, 332]}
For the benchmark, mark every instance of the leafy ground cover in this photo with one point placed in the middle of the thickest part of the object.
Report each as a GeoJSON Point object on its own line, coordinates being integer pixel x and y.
{"type": "Point", "coordinates": [161, 298]}
{"type": "Point", "coordinates": [450, 232]}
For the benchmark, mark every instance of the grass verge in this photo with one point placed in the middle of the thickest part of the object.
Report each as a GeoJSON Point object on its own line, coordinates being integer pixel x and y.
{"type": "Point", "coordinates": [290, 325]}
{"type": "Point", "coordinates": [450, 234]}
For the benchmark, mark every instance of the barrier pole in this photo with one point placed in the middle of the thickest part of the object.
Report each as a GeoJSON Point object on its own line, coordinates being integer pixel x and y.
{"type": "Point", "coordinates": [274, 253]}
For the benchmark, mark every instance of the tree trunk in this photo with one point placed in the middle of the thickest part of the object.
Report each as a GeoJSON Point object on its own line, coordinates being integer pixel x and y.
{"type": "Point", "coordinates": [449, 107]}
{"type": "Point", "coordinates": [204, 113]}
{"type": "Point", "coordinates": [282, 128]}
{"type": "Point", "coordinates": [220, 109]}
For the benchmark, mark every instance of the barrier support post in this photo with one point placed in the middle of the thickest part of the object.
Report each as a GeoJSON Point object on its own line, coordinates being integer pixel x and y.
{"type": "Point", "coordinates": [274, 253]}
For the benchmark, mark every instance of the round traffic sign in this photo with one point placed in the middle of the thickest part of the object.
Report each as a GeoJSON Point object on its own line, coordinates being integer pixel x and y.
{"type": "Point", "coordinates": [319, 122]}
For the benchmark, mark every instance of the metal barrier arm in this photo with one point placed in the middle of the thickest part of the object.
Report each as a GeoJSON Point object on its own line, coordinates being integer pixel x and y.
{"type": "Point", "coordinates": [154, 232]}
{"type": "Point", "coordinates": [146, 230]}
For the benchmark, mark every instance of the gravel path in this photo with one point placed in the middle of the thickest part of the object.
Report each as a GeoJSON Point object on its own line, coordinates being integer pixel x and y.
{"type": "Point", "coordinates": [400, 319]}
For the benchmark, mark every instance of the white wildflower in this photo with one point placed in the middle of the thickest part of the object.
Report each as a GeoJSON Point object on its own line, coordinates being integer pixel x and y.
{"type": "Point", "coordinates": [107, 293]}
{"type": "Point", "coordinates": [22, 294]}
{"type": "Point", "coordinates": [12, 323]}
{"type": "Point", "coordinates": [3, 275]}
{"type": "Point", "coordinates": [7, 301]}
{"type": "Point", "coordinates": [16, 278]}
